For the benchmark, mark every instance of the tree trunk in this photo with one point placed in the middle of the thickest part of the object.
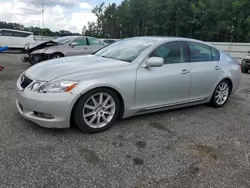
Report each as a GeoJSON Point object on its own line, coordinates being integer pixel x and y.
{"type": "Point", "coordinates": [177, 29]}
{"type": "Point", "coordinates": [134, 27]}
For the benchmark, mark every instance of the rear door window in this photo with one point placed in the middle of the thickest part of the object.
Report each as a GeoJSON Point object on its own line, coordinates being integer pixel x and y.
{"type": "Point", "coordinates": [81, 41]}
{"type": "Point", "coordinates": [93, 41]}
{"type": "Point", "coordinates": [19, 34]}
{"type": "Point", "coordinates": [215, 54]}
{"type": "Point", "coordinates": [199, 52]}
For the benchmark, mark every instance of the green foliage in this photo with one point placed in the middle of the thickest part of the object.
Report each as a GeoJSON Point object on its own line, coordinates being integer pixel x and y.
{"type": "Point", "coordinates": [209, 20]}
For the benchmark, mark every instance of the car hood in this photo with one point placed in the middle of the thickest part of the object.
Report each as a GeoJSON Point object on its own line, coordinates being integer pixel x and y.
{"type": "Point", "coordinates": [55, 68]}
{"type": "Point", "coordinates": [30, 47]}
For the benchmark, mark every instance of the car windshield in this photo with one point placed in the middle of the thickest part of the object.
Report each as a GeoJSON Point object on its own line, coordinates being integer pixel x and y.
{"type": "Point", "coordinates": [125, 50]}
{"type": "Point", "coordinates": [62, 40]}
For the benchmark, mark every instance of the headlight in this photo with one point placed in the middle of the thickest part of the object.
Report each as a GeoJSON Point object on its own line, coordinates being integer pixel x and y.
{"type": "Point", "coordinates": [26, 47]}
{"type": "Point", "coordinates": [59, 86]}
{"type": "Point", "coordinates": [35, 86]}
{"type": "Point", "coordinates": [38, 51]}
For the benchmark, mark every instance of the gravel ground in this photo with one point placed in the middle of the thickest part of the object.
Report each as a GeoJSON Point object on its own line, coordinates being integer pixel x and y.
{"type": "Point", "coordinates": [192, 147]}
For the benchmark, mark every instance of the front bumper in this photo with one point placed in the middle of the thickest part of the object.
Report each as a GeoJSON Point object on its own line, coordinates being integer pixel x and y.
{"type": "Point", "coordinates": [34, 58]}
{"type": "Point", "coordinates": [46, 110]}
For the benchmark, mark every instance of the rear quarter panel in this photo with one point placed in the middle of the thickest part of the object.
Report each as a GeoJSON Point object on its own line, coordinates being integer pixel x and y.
{"type": "Point", "coordinates": [233, 70]}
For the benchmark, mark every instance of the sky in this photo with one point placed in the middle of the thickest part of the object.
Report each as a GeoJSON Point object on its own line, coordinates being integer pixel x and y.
{"type": "Point", "coordinates": [69, 15]}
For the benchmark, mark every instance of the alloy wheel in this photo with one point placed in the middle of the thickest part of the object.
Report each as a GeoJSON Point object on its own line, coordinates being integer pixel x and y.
{"type": "Point", "coordinates": [99, 110]}
{"type": "Point", "coordinates": [221, 93]}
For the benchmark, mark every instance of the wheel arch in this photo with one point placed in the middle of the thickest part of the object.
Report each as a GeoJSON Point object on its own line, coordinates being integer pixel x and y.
{"type": "Point", "coordinates": [98, 87]}
{"type": "Point", "coordinates": [230, 82]}
{"type": "Point", "coordinates": [56, 53]}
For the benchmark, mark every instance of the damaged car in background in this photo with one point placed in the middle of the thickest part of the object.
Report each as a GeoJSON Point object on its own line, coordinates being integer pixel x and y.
{"type": "Point", "coordinates": [61, 47]}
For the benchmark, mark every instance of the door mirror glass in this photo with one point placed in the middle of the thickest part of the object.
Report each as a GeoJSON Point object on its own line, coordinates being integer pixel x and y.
{"type": "Point", "coordinates": [73, 44]}
{"type": "Point", "coordinates": [155, 62]}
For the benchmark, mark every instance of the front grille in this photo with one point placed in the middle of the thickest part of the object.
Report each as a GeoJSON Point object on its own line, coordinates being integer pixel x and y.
{"type": "Point", "coordinates": [25, 81]}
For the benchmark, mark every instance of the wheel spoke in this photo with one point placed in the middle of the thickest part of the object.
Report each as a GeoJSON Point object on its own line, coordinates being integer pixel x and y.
{"type": "Point", "coordinates": [90, 107]}
{"type": "Point", "coordinates": [89, 114]}
{"type": "Point", "coordinates": [93, 119]}
{"type": "Point", "coordinates": [110, 105]}
{"type": "Point", "coordinates": [101, 99]}
{"type": "Point", "coordinates": [225, 87]}
{"type": "Point", "coordinates": [94, 101]}
{"type": "Point", "coordinates": [109, 113]}
{"type": "Point", "coordinates": [218, 100]}
{"type": "Point", "coordinates": [98, 120]}
{"type": "Point", "coordinates": [106, 101]}
{"type": "Point", "coordinates": [225, 92]}
{"type": "Point", "coordinates": [220, 87]}
{"type": "Point", "coordinates": [105, 119]}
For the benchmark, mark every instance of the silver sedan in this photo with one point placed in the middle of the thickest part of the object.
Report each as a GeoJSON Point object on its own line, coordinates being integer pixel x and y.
{"type": "Point", "coordinates": [133, 76]}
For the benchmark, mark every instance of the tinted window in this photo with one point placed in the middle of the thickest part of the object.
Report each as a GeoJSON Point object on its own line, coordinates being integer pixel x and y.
{"type": "Point", "coordinates": [199, 52]}
{"type": "Point", "coordinates": [7, 33]}
{"type": "Point", "coordinates": [172, 52]}
{"type": "Point", "coordinates": [62, 40]}
{"type": "Point", "coordinates": [93, 41]}
{"type": "Point", "coordinates": [81, 41]}
{"type": "Point", "coordinates": [215, 54]}
{"type": "Point", "coordinates": [109, 41]}
{"type": "Point", "coordinates": [18, 34]}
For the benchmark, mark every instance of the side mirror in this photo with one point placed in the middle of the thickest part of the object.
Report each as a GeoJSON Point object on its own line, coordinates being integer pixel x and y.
{"type": "Point", "coordinates": [73, 44]}
{"type": "Point", "coordinates": [155, 62]}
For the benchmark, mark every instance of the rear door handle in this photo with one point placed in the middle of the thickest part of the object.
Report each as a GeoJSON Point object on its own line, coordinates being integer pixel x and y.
{"type": "Point", "coordinates": [185, 71]}
{"type": "Point", "coordinates": [217, 67]}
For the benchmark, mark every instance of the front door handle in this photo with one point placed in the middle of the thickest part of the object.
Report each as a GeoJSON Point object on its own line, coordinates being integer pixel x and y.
{"type": "Point", "coordinates": [217, 67]}
{"type": "Point", "coordinates": [185, 71]}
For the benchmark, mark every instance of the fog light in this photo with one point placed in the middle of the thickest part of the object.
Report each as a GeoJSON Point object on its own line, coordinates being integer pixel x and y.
{"type": "Point", "coordinates": [43, 115]}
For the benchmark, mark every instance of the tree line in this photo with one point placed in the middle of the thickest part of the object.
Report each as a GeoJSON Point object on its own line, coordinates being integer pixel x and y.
{"type": "Point", "coordinates": [36, 30]}
{"type": "Point", "coordinates": [208, 20]}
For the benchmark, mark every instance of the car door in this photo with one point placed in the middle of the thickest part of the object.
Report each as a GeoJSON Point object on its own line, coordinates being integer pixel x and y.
{"type": "Point", "coordinates": [205, 70]}
{"type": "Point", "coordinates": [94, 44]}
{"type": "Point", "coordinates": [165, 85]}
{"type": "Point", "coordinates": [80, 49]}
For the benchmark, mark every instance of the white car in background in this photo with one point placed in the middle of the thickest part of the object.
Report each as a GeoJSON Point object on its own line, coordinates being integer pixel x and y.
{"type": "Point", "coordinates": [15, 38]}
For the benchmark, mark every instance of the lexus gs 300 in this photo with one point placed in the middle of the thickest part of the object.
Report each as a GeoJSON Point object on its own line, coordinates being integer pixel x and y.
{"type": "Point", "coordinates": [130, 77]}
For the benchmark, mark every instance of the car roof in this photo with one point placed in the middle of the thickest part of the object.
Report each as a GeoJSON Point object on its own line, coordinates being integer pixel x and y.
{"type": "Point", "coordinates": [167, 38]}
{"type": "Point", "coordinates": [170, 38]}
{"type": "Point", "coordinates": [21, 31]}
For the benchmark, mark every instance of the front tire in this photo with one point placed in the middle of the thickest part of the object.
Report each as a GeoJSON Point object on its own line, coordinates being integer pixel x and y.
{"type": "Point", "coordinates": [56, 56]}
{"type": "Point", "coordinates": [97, 110]}
{"type": "Point", "coordinates": [221, 94]}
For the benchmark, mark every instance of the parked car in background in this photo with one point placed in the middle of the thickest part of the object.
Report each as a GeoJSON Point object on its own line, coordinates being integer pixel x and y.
{"type": "Point", "coordinates": [61, 47]}
{"type": "Point", "coordinates": [132, 76]}
{"type": "Point", "coordinates": [15, 38]}
{"type": "Point", "coordinates": [110, 41]}
{"type": "Point", "coordinates": [245, 64]}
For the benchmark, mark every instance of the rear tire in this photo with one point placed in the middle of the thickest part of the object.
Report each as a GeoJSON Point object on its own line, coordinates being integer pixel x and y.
{"type": "Point", "coordinates": [221, 94]}
{"type": "Point", "coordinates": [244, 70]}
{"type": "Point", "coordinates": [97, 110]}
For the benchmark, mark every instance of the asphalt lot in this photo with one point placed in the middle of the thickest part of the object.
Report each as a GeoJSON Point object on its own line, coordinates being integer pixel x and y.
{"type": "Point", "coordinates": [194, 147]}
